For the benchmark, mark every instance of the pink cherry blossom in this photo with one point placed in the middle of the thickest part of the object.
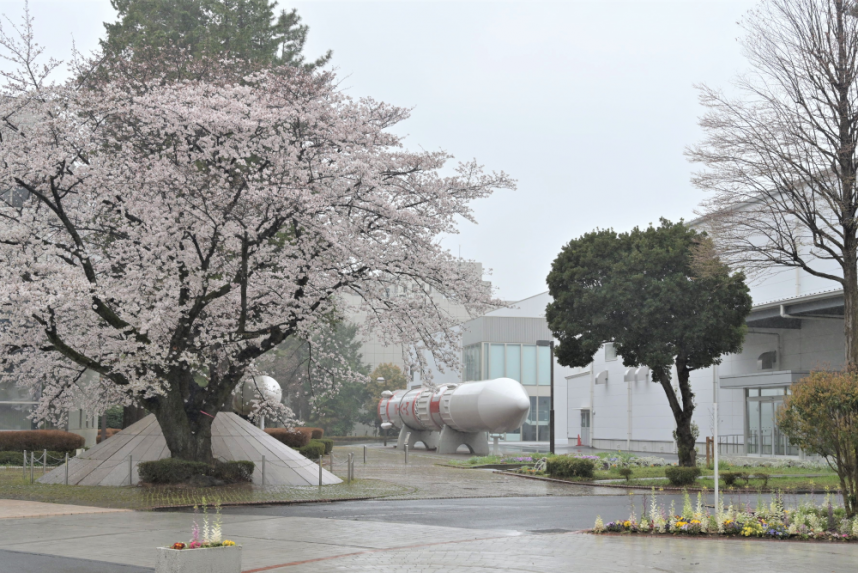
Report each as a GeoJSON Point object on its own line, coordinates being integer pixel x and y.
{"type": "Point", "coordinates": [164, 234]}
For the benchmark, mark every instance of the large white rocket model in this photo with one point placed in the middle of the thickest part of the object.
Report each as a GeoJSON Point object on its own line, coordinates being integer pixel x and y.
{"type": "Point", "coordinates": [448, 416]}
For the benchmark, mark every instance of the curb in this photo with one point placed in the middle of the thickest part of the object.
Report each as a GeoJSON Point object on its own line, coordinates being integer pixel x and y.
{"type": "Point", "coordinates": [659, 488]}
{"type": "Point", "coordinates": [254, 503]}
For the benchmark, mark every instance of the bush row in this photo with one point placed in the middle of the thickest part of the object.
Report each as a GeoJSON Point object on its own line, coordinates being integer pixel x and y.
{"type": "Point", "coordinates": [290, 436]}
{"type": "Point", "coordinates": [174, 470]}
{"type": "Point", "coordinates": [678, 475]}
{"type": "Point", "coordinates": [315, 433]}
{"type": "Point", "coordinates": [317, 448]}
{"type": "Point", "coordinates": [53, 440]}
{"type": "Point", "coordinates": [110, 433]}
{"type": "Point", "coordinates": [565, 466]}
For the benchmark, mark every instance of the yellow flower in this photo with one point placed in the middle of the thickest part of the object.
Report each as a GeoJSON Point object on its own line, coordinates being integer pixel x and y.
{"type": "Point", "coordinates": [627, 523]}
{"type": "Point", "coordinates": [228, 543]}
{"type": "Point", "coordinates": [695, 521]}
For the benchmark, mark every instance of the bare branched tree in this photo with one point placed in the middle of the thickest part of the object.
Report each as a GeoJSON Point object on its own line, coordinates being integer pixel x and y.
{"type": "Point", "coordinates": [780, 158]}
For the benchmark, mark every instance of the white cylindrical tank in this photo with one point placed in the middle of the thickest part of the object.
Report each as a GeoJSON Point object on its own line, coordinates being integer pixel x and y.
{"type": "Point", "coordinates": [495, 406]}
{"type": "Point", "coordinates": [270, 388]}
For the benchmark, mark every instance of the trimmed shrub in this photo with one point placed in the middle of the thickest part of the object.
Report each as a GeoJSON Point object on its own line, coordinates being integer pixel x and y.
{"type": "Point", "coordinates": [678, 475]}
{"type": "Point", "coordinates": [314, 450]}
{"type": "Point", "coordinates": [52, 440]}
{"type": "Point", "coordinates": [626, 473]}
{"type": "Point", "coordinates": [565, 466]}
{"type": "Point", "coordinates": [329, 445]}
{"type": "Point", "coordinates": [110, 433]}
{"type": "Point", "coordinates": [170, 470]}
{"type": "Point", "coordinates": [233, 472]}
{"type": "Point", "coordinates": [316, 433]}
{"type": "Point", "coordinates": [290, 436]}
{"type": "Point", "coordinates": [174, 470]}
{"type": "Point", "coordinates": [729, 478]}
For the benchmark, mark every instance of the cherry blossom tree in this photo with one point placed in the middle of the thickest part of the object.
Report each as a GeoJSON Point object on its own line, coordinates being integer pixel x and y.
{"type": "Point", "coordinates": [166, 233]}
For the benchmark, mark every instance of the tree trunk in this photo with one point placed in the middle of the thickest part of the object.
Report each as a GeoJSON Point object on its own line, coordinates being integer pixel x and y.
{"type": "Point", "coordinates": [850, 318]}
{"type": "Point", "coordinates": [188, 433]}
{"type": "Point", "coordinates": [682, 412]}
{"type": "Point", "coordinates": [686, 442]}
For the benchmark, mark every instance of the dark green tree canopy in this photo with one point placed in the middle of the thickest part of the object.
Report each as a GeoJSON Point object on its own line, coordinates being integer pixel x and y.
{"type": "Point", "coordinates": [245, 29]}
{"type": "Point", "coordinates": [657, 294]}
{"type": "Point", "coordinates": [661, 296]}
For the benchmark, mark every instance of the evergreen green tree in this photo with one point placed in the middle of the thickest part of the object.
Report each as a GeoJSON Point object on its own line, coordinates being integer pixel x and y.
{"type": "Point", "coordinates": [248, 30]}
{"type": "Point", "coordinates": [661, 296]}
{"type": "Point", "coordinates": [317, 376]}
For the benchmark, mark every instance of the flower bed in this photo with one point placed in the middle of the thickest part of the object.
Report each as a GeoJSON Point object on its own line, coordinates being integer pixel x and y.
{"type": "Point", "coordinates": [827, 521]}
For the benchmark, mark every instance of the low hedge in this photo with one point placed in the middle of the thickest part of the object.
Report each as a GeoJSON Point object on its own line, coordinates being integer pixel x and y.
{"type": "Point", "coordinates": [110, 433]}
{"type": "Point", "coordinates": [314, 433]}
{"type": "Point", "coordinates": [678, 475]}
{"type": "Point", "coordinates": [565, 466]}
{"type": "Point", "coordinates": [174, 470]}
{"type": "Point", "coordinates": [52, 440]}
{"type": "Point", "coordinates": [291, 437]}
{"type": "Point", "coordinates": [329, 445]}
{"type": "Point", "coordinates": [314, 450]}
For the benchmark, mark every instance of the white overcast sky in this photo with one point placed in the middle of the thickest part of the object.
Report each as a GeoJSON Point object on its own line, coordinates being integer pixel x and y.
{"type": "Point", "coordinates": [588, 104]}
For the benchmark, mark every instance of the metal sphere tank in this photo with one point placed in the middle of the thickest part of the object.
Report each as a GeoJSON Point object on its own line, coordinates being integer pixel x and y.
{"type": "Point", "coordinates": [268, 386]}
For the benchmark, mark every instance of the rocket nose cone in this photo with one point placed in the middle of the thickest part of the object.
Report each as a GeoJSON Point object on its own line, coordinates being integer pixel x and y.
{"type": "Point", "coordinates": [504, 405]}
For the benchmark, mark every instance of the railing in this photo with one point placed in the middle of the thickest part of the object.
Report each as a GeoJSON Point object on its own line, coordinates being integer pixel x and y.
{"type": "Point", "coordinates": [770, 443]}
{"type": "Point", "coordinates": [731, 444]}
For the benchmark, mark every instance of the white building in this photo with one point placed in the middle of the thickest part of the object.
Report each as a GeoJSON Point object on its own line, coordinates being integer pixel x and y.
{"type": "Point", "coordinates": [795, 326]}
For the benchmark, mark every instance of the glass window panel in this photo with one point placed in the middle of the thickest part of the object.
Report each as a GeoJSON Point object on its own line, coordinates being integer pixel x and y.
{"type": "Point", "coordinates": [771, 392]}
{"type": "Point", "coordinates": [543, 369]}
{"type": "Point", "coordinates": [544, 423]}
{"type": "Point", "coordinates": [528, 430]}
{"type": "Point", "coordinates": [471, 359]}
{"type": "Point", "coordinates": [496, 360]}
{"type": "Point", "coordinates": [528, 365]}
{"type": "Point", "coordinates": [753, 419]}
{"type": "Point", "coordinates": [513, 362]}
{"type": "Point", "coordinates": [753, 392]}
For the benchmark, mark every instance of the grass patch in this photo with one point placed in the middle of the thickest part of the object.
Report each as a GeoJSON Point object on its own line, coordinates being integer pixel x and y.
{"type": "Point", "coordinates": [14, 486]}
{"type": "Point", "coordinates": [786, 484]}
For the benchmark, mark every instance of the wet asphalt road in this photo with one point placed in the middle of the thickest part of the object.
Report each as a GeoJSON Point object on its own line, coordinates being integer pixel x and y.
{"type": "Point", "coordinates": [527, 514]}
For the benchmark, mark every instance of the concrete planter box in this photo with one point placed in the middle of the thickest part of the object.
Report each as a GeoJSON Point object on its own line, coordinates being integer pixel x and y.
{"type": "Point", "coordinates": [205, 560]}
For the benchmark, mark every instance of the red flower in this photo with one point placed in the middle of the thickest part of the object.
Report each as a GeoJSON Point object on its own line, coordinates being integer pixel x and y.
{"type": "Point", "coordinates": [179, 545]}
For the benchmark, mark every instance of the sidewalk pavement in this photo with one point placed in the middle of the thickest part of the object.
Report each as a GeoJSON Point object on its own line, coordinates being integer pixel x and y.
{"type": "Point", "coordinates": [15, 509]}
{"type": "Point", "coordinates": [316, 545]}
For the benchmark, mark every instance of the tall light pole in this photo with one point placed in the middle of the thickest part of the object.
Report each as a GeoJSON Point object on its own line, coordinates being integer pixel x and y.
{"type": "Point", "coordinates": [550, 345]}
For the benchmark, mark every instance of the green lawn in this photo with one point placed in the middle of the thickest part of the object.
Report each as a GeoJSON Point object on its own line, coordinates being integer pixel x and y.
{"type": "Point", "coordinates": [786, 483]}
{"type": "Point", "coordinates": [14, 486]}
{"type": "Point", "coordinates": [659, 472]}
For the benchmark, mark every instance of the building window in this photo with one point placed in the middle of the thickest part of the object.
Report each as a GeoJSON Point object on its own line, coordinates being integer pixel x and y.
{"type": "Point", "coordinates": [610, 352]}
{"type": "Point", "coordinates": [528, 365]}
{"type": "Point", "coordinates": [513, 361]}
{"type": "Point", "coordinates": [471, 359]}
{"type": "Point", "coordinates": [496, 361]}
{"type": "Point", "coordinates": [543, 365]}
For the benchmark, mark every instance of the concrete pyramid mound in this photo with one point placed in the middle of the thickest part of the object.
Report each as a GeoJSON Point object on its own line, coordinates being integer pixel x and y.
{"type": "Point", "coordinates": [113, 461]}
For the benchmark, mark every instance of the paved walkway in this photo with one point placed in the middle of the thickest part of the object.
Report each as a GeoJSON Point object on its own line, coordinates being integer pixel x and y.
{"type": "Point", "coordinates": [13, 508]}
{"type": "Point", "coordinates": [426, 478]}
{"type": "Point", "coordinates": [312, 545]}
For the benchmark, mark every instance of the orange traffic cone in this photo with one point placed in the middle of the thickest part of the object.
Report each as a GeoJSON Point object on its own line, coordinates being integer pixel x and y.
{"type": "Point", "coordinates": [579, 439]}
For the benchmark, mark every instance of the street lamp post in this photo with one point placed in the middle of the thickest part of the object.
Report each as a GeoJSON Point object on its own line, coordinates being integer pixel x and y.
{"type": "Point", "coordinates": [550, 345]}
